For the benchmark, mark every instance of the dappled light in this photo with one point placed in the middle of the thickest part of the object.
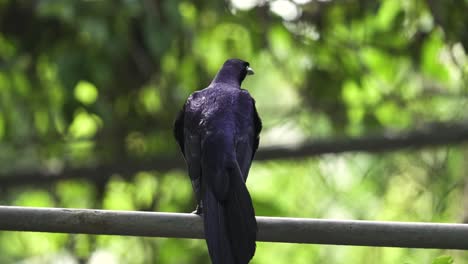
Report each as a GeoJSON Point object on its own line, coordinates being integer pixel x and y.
{"type": "Point", "coordinates": [363, 106]}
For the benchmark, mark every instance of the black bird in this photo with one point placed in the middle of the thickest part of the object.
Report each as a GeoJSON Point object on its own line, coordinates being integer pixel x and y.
{"type": "Point", "coordinates": [218, 133]}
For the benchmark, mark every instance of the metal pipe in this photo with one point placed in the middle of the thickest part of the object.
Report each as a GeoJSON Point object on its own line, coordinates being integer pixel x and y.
{"type": "Point", "coordinates": [270, 229]}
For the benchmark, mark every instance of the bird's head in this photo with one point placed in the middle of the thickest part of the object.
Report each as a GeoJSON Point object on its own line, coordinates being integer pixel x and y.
{"type": "Point", "coordinates": [233, 71]}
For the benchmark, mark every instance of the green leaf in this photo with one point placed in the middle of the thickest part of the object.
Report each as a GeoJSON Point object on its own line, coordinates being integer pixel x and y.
{"type": "Point", "coordinates": [280, 41]}
{"type": "Point", "coordinates": [391, 114]}
{"type": "Point", "coordinates": [387, 13]}
{"type": "Point", "coordinates": [41, 121]}
{"type": "Point", "coordinates": [188, 11]}
{"type": "Point", "coordinates": [119, 195]}
{"type": "Point", "coordinates": [84, 124]}
{"type": "Point", "coordinates": [146, 184]}
{"type": "Point", "coordinates": [7, 49]}
{"type": "Point", "coordinates": [86, 92]}
{"type": "Point", "coordinates": [351, 93]}
{"type": "Point", "coordinates": [431, 59]}
{"type": "Point", "coordinates": [443, 260]}
{"type": "Point", "coordinates": [150, 100]}
{"type": "Point", "coordinates": [34, 198]}
{"type": "Point", "coordinates": [2, 126]}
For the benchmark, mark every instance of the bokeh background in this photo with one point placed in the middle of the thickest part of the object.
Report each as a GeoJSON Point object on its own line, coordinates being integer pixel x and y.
{"type": "Point", "coordinates": [89, 91]}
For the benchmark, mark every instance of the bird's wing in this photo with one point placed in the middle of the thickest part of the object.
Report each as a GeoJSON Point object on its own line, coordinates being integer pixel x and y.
{"type": "Point", "coordinates": [257, 128]}
{"type": "Point", "coordinates": [190, 146]}
{"type": "Point", "coordinates": [193, 158]}
{"type": "Point", "coordinates": [247, 145]}
{"type": "Point", "coordinates": [179, 129]}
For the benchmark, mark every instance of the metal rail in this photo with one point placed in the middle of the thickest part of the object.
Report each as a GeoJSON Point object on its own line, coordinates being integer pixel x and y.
{"type": "Point", "coordinates": [271, 229]}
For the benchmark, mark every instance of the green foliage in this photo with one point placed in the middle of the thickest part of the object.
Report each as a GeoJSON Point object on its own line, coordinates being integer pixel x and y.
{"type": "Point", "coordinates": [86, 92]}
{"type": "Point", "coordinates": [92, 83]}
{"type": "Point", "coordinates": [443, 260]}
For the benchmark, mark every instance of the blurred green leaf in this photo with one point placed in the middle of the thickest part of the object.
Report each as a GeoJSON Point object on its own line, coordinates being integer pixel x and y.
{"type": "Point", "coordinates": [431, 58]}
{"type": "Point", "coordinates": [37, 198]}
{"type": "Point", "coordinates": [41, 119]}
{"type": "Point", "coordinates": [280, 41]}
{"type": "Point", "coordinates": [146, 184]}
{"type": "Point", "coordinates": [86, 92]}
{"type": "Point", "coordinates": [443, 260]}
{"type": "Point", "coordinates": [119, 195]}
{"type": "Point", "coordinates": [390, 114]}
{"type": "Point", "coordinates": [387, 12]}
{"type": "Point", "coordinates": [7, 49]}
{"type": "Point", "coordinates": [189, 12]}
{"type": "Point", "coordinates": [352, 94]}
{"type": "Point", "coordinates": [150, 99]}
{"type": "Point", "coordinates": [2, 126]}
{"type": "Point", "coordinates": [75, 194]}
{"type": "Point", "coordinates": [84, 124]}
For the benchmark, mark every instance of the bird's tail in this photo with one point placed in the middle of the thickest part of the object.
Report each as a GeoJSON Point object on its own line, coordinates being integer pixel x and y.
{"type": "Point", "coordinates": [230, 225]}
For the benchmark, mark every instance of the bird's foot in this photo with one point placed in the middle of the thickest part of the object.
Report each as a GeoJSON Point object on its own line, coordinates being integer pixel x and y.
{"type": "Point", "coordinates": [198, 210]}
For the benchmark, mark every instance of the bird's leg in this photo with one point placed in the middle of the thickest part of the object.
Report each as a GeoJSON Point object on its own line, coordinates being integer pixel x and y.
{"type": "Point", "coordinates": [199, 209]}
{"type": "Point", "coordinates": [197, 189]}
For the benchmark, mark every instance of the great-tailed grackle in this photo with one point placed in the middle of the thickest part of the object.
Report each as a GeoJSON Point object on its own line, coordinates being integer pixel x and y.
{"type": "Point", "coordinates": [218, 132]}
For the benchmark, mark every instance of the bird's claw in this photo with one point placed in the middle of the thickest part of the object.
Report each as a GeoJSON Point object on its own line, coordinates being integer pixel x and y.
{"type": "Point", "coordinates": [198, 210]}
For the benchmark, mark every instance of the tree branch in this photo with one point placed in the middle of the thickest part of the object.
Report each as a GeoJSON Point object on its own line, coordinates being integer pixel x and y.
{"type": "Point", "coordinates": [429, 136]}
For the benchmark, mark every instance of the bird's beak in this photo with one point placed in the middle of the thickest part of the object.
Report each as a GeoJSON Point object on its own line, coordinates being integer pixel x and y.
{"type": "Point", "coordinates": [250, 71]}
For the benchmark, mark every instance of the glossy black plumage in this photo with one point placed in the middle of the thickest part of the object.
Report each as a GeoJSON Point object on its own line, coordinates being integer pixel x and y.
{"type": "Point", "coordinates": [218, 133]}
